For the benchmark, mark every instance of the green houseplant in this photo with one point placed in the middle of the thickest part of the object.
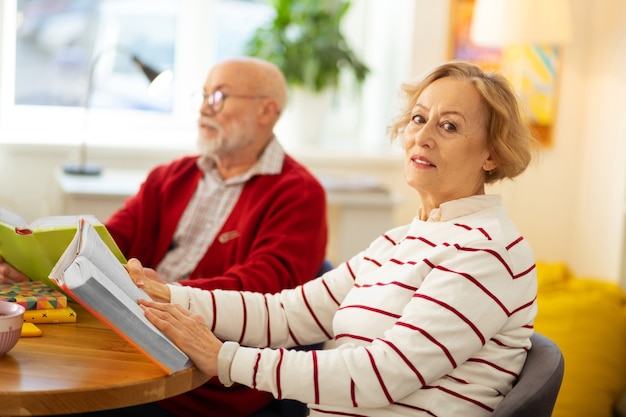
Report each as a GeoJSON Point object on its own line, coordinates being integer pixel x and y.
{"type": "Point", "coordinates": [304, 40]}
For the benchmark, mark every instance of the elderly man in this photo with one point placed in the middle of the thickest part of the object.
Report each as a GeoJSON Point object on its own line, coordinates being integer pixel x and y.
{"type": "Point", "coordinates": [241, 215]}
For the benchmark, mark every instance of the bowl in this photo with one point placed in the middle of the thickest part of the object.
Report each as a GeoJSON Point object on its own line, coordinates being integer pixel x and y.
{"type": "Point", "coordinates": [11, 321]}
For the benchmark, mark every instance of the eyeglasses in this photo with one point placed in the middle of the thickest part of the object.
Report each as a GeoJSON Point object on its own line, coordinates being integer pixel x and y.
{"type": "Point", "coordinates": [216, 99]}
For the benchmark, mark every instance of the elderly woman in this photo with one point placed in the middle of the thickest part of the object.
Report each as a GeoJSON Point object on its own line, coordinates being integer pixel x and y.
{"type": "Point", "coordinates": [433, 318]}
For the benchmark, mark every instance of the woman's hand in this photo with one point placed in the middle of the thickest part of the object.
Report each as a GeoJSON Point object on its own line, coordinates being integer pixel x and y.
{"type": "Point", "coordinates": [148, 280]}
{"type": "Point", "coordinates": [188, 331]}
{"type": "Point", "coordinates": [8, 274]}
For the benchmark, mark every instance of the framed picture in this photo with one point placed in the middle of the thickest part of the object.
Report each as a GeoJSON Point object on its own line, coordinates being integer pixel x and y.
{"type": "Point", "coordinates": [460, 45]}
{"type": "Point", "coordinates": [532, 69]}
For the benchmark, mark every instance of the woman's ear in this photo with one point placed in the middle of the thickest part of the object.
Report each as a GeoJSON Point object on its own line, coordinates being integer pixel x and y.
{"type": "Point", "coordinates": [489, 164]}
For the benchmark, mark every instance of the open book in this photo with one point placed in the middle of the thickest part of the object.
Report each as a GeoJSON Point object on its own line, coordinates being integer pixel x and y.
{"type": "Point", "coordinates": [90, 274]}
{"type": "Point", "coordinates": [34, 248]}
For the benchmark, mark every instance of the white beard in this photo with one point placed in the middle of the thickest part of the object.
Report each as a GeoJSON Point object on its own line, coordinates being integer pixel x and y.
{"type": "Point", "coordinates": [210, 146]}
{"type": "Point", "coordinates": [238, 136]}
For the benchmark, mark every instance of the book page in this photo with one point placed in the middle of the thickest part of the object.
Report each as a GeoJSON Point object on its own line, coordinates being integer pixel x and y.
{"type": "Point", "coordinates": [16, 221]}
{"type": "Point", "coordinates": [93, 247]}
{"type": "Point", "coordinates": [89, 240]}
{"type": "Point", "coordinates": [12, 219]}
{"type": "Point", "coordinates": [61, 221]}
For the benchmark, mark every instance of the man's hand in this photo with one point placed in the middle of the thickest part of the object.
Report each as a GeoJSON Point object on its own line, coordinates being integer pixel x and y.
{"type": "Point", "coordinates": [148, 280]}
{"type": "Point", "coordinates": [188, 331]}
{"type": "Point", "coordinates": [8, 274]}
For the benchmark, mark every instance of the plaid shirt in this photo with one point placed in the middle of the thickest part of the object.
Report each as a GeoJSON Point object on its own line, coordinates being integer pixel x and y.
{"type": "Point", "coordinates": [207, 211]}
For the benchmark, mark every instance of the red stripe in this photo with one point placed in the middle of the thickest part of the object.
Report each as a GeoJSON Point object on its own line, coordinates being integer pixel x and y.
{"type": "Point", "coordinates": [316, 378]}
{"type": "Point", "coordinates": [524, 306]}
{"type": "Point", "coordinates": [493, 365]}
{"type": "Point", "coordinates": [214, 323]}
{"type": "Point", "coordinates": [379, 377]}
{"type": "Point", "coordinates": [406, 360]}
{"type": "Point", "coordinates": [399, 262]}
{"type": "Point", "coordinates": [279, 390]}
{"type": "Point", "coordinates": [426, 241]}
{"type": "Point", "coordinates": [456, 312]}
{"type": "Point", "coordinates": [383, 284]}
{"type": "Point", "coordinates": [432, 339]}
{"type": "Point", "coordinates": [460, 381]}
{"type": "Point", "coordinates": [308, 306]}
{"type": "Point", "coordinates": [330, 294]}
{"type": "Point", "coordinates": [256, 369]}
{"type": "Point", "coordinates": [353, 393]}
{"type": "Point", "coordinates": [416, 408]}
{"type": "Point", "coordinates": [469, 228]}
{"type": "Point", "coordinates": [390, 240]}
{"type": "Point", "coordinates": [245, 317]}
{"type": "Point", "coordinates": [515, 242]}
{"type": "Point", "coordinates": [462, 397]}
{"type": "Point", "coordinates": [374, 261]}
{"type": "Point", "coordinates": [484, 232]}
{"type": "Point", "coordinates": [352, 336]}
{"type": "Point", "coordinates": [421, 239]}
{"type": "Point", "coordinates": [464, 226]}
{"type": "Point", "coordinates": [269, 331]}
{"type": "Point", "coordinates": [521, 274]}
{"type": "Point", "coordinates": [375, 310]}
{"type": "Point", "coordinates": [490, 252]}
{"type": "Point", "coordinates": [352, 274]}
{"type": "Point", "coordinates": [295, 339]}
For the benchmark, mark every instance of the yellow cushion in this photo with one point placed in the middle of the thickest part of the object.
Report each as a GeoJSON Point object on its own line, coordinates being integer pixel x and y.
{"type": "Point", "coordinates": [587, 319]}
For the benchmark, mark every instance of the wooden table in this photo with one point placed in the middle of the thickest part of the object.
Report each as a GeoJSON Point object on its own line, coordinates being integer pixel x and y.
{"type": "Point", "coordinates": [80, 367]}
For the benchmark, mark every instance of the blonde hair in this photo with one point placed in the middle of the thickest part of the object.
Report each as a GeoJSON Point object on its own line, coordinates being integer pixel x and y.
{"type": "Point", "coordinates": [510, 139]}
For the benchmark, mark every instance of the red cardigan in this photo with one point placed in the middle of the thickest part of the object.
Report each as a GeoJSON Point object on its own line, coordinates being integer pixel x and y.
{"type": "Point", "coordinates": [281, 233]}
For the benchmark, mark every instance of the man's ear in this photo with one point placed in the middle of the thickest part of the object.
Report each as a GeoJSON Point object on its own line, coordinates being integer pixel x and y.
{"type": "Point", "coordinates": [269, 111]}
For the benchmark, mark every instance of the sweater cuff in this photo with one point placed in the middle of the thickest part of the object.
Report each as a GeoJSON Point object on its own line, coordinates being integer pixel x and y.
{"type": "Point", "coordinates": [224, 359]}
{"type": "Point", "coordinates": [179, 295]}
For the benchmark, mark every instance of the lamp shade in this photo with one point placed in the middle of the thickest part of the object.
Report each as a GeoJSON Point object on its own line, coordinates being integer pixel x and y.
{"type": "Point", "coordinates": [498, 23]}
{"type": "Point", "coordinates": [150, 73]}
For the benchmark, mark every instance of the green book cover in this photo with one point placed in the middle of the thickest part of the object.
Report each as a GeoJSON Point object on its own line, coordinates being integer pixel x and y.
{"type": "Point", "coordinates": [34, 248]}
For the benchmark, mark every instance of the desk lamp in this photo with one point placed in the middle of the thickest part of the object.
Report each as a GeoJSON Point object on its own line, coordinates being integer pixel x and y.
{"type": "Point", "coordinates": [82, 167]}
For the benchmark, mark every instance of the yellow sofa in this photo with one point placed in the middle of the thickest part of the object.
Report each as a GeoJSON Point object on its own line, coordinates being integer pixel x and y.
{"type": "Point", "coordinates": [587, 318]}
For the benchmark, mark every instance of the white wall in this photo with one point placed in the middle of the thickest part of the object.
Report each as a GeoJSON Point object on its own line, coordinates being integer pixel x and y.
{"type": "Point", "coordinates": [600, 201]}
{"type": "Point", "coordinates": [570, 205]}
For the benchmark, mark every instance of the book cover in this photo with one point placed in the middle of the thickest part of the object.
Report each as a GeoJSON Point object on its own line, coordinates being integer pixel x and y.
{"type": "Point", "coordinates": [34, 248]}
{"type": "Point", "coordinates": [51, 316]}
{"type": "Point", "coordinates": [90, 273]}
{"type": "Point", "coordinates": [34, 295]}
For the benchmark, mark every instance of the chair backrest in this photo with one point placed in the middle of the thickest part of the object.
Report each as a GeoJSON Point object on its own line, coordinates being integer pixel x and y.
{"type": "Point", "coordinates": [535, 391]}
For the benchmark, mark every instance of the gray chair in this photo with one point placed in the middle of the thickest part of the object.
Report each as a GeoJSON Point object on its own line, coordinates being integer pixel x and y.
{"type": "Point", "coordinates": [535, 391]}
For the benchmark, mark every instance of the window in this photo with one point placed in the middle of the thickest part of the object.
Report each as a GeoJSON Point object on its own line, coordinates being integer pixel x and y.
{"type": "Point", "coordinates": [49, 46]}
{"type": "Point", "coordinates": [59, 44]}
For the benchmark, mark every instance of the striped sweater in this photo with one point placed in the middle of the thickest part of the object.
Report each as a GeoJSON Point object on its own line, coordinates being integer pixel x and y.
{"type": "Point", "coordinates": [433, 319]}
